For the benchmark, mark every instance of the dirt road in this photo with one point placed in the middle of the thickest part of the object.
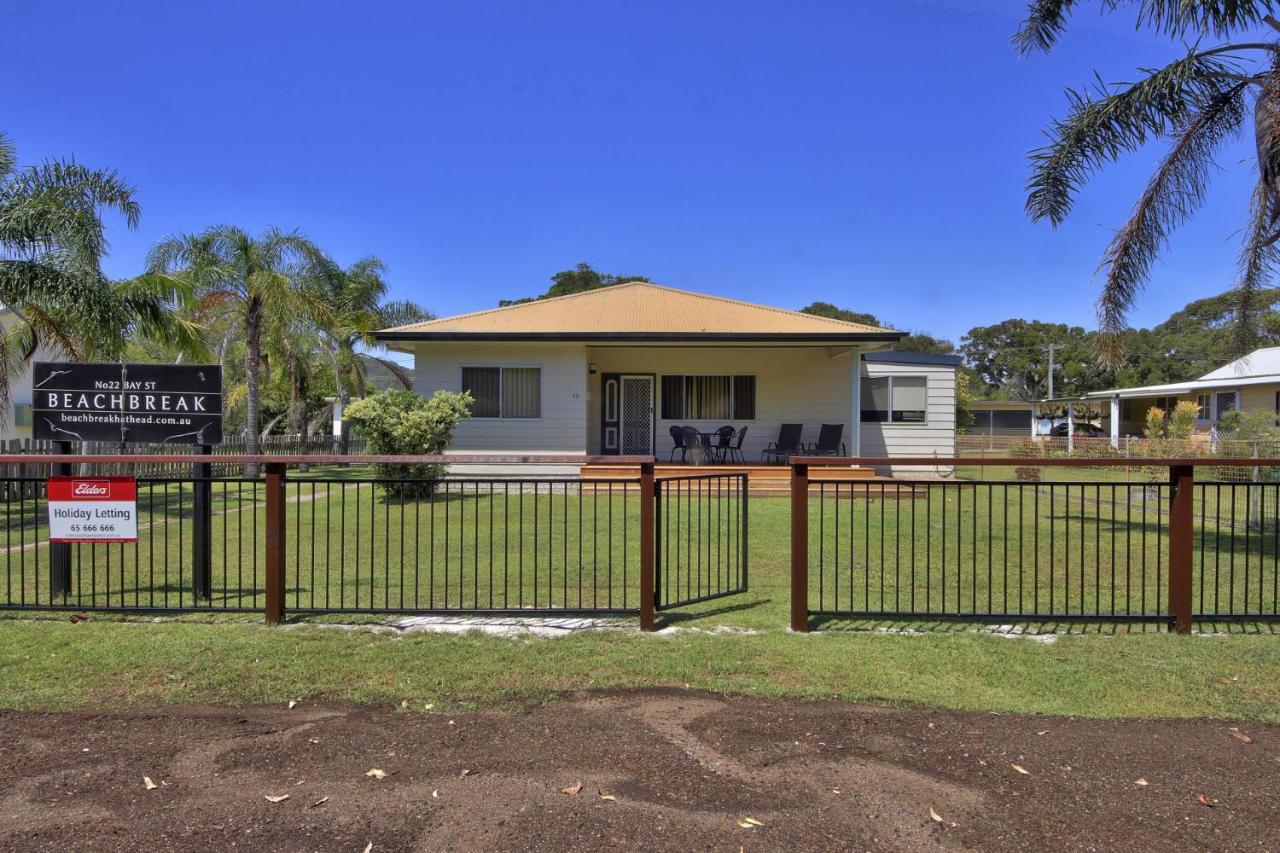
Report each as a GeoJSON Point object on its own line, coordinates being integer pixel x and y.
{"type": "Point", "coordinates": [657, 770]}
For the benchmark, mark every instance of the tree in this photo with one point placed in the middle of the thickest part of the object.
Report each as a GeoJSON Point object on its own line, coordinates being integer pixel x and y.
{"type": "Point", "coordinates": [356, 299]}
{"type": "Point", "coordinates": [912, 342]}
{"type": "Point", "coordinates": [229, 269]}
{"type": "Point", "coordinates": [577, 280]}
{"type": "Point", "coordinates": [1197, 103]}
{"type": "Point", "coordinates": [1009, 359]}
{"type": "Point", "coordinates": [52, 241]}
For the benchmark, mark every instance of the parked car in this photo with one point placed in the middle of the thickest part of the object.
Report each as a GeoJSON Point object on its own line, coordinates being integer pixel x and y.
{"type": "Point", "coordinates": [1085, 429]}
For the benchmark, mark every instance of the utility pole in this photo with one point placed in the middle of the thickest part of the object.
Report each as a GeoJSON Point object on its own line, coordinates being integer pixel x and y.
{"type": "Point", "coordinates": [1051, 348]}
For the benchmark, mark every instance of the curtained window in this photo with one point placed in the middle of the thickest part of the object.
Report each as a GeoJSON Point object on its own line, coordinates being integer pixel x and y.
{"type": "Point", "coordinates": [708, 398]}
{"type": "Point", "coordinates": [504, 392]}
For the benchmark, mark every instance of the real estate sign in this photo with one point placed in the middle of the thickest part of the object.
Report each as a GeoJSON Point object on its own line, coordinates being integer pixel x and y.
{"type": "Point", "coordinates": [93, 509]}
{"type": "Point", "coordinates": [161, 403]}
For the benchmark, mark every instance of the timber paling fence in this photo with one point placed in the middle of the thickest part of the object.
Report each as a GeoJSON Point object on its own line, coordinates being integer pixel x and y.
{"type": "Point", "coordinates": [31, 451]}
{"type": "Point", "coordinates": [1169, 552]}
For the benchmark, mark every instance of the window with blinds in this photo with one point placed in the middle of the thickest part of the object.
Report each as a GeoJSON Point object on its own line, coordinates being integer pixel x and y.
{"type": "Point", "coordinates": [504, 392]}
{"type": "Point", "coordinates": [895, 399]}
{"type": "Point", "coordinates": [710, 398]}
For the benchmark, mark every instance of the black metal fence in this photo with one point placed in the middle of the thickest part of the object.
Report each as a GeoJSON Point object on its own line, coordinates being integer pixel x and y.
{"type": "Point", "coordinates": [1017, 551]}
{"type": "Point", "coordinates": [172, 566]}
{"type": "Point", "coordinates": [701, 534]}
{"type": "Point", "coordinates": [480, 546]}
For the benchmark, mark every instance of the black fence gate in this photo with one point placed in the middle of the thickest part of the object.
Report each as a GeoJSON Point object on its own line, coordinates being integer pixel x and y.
{"type": "Point", "coordinates": [700, 538]}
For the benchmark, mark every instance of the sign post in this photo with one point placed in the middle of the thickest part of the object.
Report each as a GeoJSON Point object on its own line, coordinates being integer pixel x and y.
{"type": "Point", "coordinates": [60, 553]}
{"type": "Point", "coordinates": [202, 526]}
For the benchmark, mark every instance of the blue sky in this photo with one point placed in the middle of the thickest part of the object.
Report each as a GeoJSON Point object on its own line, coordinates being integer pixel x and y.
{"type": "Point", "coordinates": [868, 154]}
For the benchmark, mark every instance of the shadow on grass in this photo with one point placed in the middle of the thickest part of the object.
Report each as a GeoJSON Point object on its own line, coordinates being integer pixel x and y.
{"type": "Point", "coordinates": [676, 617]}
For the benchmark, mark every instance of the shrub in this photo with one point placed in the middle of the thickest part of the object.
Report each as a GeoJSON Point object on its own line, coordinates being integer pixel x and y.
{"type": "Point", "coordinates": [1156, 425]}
{"type": "Point", "coordinates": [403, 423]}
{"type": "Point", "coordinates": [1026, 448]}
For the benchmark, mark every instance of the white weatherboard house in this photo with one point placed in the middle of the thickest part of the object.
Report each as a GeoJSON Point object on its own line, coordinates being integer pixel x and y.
{"type": "Point", "coordinates": [609, 371]}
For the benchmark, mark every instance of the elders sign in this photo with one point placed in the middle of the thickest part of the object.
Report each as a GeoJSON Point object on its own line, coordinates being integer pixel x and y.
{"type": "Point", "coordinates": [93, 509]}
{"type": "Point", "coordinates": [156, 403]}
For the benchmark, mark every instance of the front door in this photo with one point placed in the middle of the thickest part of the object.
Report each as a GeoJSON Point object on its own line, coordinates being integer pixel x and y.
{"type": "Point", "coordinates": [626, 414]}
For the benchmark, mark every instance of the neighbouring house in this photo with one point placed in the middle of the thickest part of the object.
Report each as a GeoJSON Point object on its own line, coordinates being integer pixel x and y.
{"type": "Point", "coordinates": [610, 371]}
{"type": "Point", "coordinates": [1251, 383]}
{"type": "Point", "coordinates": [1000, 417]}
{"type": "Point", "coordinates": [17, 420]}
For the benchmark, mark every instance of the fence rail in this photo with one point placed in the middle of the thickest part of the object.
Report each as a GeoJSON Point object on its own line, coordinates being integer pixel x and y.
{"type": "Point", "coordinates": [1171, 552]}
{"type": "Point", "coordinates": [97, 456]}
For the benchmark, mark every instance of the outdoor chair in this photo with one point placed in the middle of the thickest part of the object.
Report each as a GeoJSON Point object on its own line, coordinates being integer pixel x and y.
{"type": "Point", "coordinates": [735, 449]}
{"type": "Point", "coordinates": [677, 443]}
{"type": "Point", "coordinates": [787, 445]}
{"type": "Point", "coordinates": [829, 441]}
{"type": "Point", "coordinates": [724, 436]}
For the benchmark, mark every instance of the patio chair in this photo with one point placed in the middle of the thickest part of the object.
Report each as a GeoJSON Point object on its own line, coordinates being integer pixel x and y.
{"type": "Point", "coordinates": [829, 441]}
{"type": "Point", "coordinates": [735, 449]}
{"type": "Point", "coordinates": [787, 445]}
{"type": "Point", "coordinates": [724, 435]}
{"type": "Point", "coordinates": [677, 443]}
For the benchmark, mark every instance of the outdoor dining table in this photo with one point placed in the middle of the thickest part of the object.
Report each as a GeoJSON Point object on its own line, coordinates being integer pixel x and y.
{"type": "Point", "coordinates": [705, 452]}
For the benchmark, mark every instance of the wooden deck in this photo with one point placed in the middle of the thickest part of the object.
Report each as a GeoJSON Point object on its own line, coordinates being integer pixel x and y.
{"type": "Point", "coordinates": [764, 480]}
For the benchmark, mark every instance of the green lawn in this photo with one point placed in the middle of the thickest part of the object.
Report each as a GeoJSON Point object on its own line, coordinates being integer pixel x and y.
{"type": "Point", "coordinates": [738, 644]}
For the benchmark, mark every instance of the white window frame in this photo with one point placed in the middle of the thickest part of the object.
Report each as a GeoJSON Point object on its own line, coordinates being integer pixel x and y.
{"type": "Point", "coordinates": [502, 369]}
{"type": "Point", "coordinates": [1207, 408]}
{"type": "Point", "coordinates": [1217, 416]}
{"type": "Point", "coordinates": [891, 421]}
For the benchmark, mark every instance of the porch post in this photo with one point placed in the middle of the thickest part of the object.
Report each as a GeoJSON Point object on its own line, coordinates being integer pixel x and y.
{"type": "Point", "coordinates": [855, 384]}
{"type": "Point", "coordinates": [1115, 421]}
{"type": "Point", "coordinates": [1071, 426]}
{"type": "Point", "coordinates": [1035, 419]}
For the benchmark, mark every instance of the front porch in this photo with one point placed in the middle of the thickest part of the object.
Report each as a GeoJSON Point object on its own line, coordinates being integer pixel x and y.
{"type": "Point", "coordinates": [762, 480]}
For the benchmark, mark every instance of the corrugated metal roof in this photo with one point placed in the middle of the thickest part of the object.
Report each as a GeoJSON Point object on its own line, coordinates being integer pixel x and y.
{"type": "Point", "coordinates": [1260, 362]}
{"type": "Point", "coordinates": [1260, 367]}
{"type": "Point", "coordinates": [636, 308]}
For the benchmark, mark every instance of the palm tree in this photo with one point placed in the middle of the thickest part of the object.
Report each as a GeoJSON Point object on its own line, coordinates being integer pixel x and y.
{"type": "Point", "coordinates": [1198, 103]}
{"type": "Point", "coordinates": [355, 297]}
{"type": "Point", "coordinates": [52, 241]}
{"type": "Point", "coordinates": [229, 269]}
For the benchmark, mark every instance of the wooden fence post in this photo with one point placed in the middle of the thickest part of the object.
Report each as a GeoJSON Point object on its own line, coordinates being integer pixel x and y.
{"type": "Point", "coordinates": [275, 543]}
{"type": "Point", "coordinates": [1181, 538]}
{"type": "Point", "coordinates": [799, 548]}
{"type": "Point", "coordinates": [648, 501]}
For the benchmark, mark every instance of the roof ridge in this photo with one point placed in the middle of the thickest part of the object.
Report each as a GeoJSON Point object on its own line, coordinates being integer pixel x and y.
{"type": "Point", "coordinates": [497, 308]}
{"type": "Point", "coordinates": [643, 284]}
{"type": "Point", "coordinates": [730, 300]}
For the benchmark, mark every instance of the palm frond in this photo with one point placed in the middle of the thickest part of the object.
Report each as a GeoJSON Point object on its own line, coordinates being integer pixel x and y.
{"type": "Point", "coordinates": [1258, 260]}
{"type": "Point", "coordinates": [401, 313]}
{"type": "Point", "coordinates": [1046, 19]}
{"type": "Point", "coordinates": [1109, 121]}
{"type": "Point", "coordinates": [8, 156]}
{"type": "Point", "coordinates": [396, 370]}
{"type": "Point", "coordinates": [1172, 195]}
